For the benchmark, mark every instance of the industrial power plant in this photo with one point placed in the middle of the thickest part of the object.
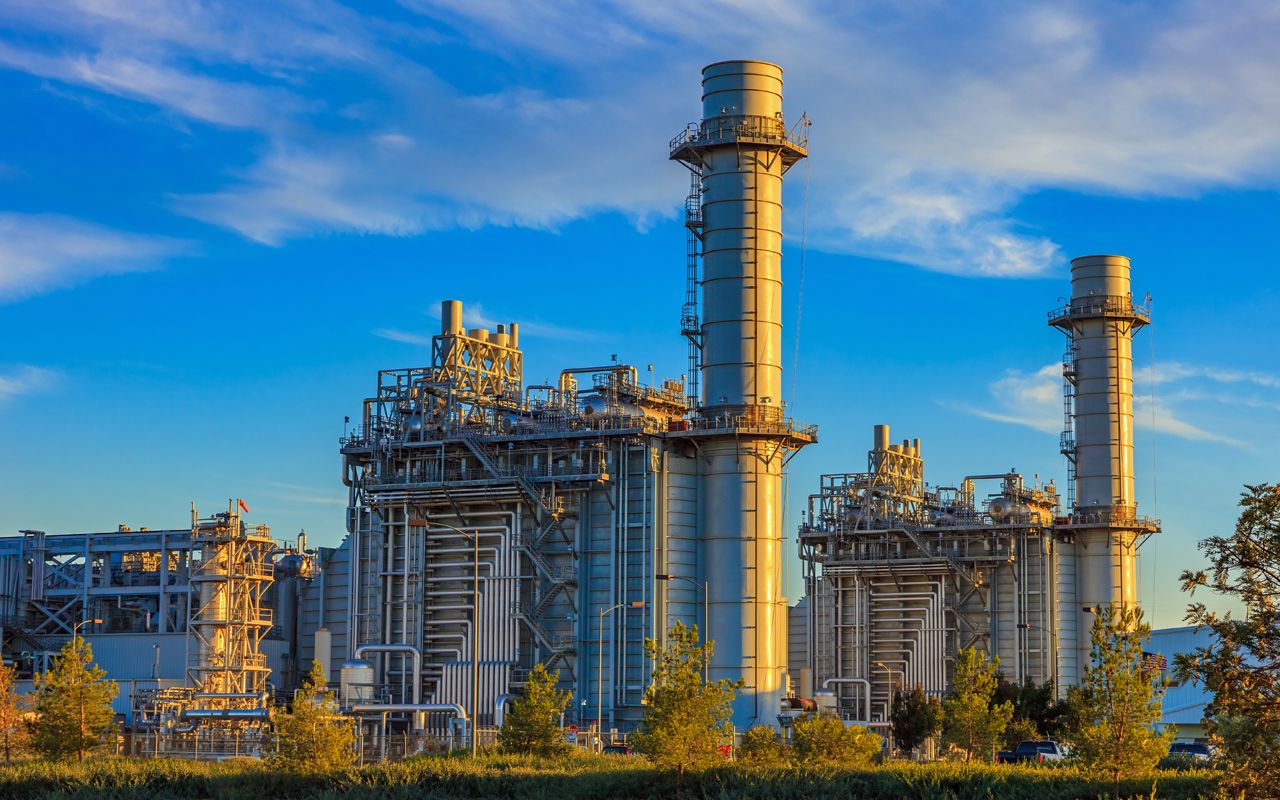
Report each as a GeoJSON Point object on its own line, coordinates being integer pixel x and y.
{"type": "Point", "coordinates": [494, 525]}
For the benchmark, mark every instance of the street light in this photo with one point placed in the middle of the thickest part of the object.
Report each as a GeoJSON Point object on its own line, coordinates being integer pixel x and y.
{"type": "Point", "coordinates": [1053, 642]}
{"type": "Point", "coordinates": [75, 629]}
{"type": "Point", "coordinates": [889, 709]}
{"type": "Point", "coordinates": [600, 663]}
{"type": "Point", "coordinates": [705, 587]}
{"type": "Point", "coordinates": [75, 633]}
{"type": "Point", "coordinates": [474, 538]}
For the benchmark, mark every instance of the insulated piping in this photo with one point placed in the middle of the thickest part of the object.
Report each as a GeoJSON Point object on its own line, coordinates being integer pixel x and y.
{"type": "Point", "coordinates": [866, 693]}
{"type": "Point", "coordinates": [500, 708]}
{"type": "Point", "coordinates": [419, 710]}
{"type": "Point", "coordinates": [399, 648]}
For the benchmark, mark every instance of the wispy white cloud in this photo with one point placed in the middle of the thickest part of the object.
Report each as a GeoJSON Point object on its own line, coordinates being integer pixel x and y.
{"type": "Point", "coordinates": [1034, 400]}
{"type": "Point", "coordinates": [27, 379]}
{"type": "Point", "coordinates": [475, 315]}
{"type": "Point", "coordinates": [923, 146]}
{"type": "Point", "coordinates": [1161, 416]}
{"type": "Point", "coordinates": [1177, 371]}
{"type": "Point", "coordinates": [41, 252]}
{"type": "Point", "coordinates": [403, 336]}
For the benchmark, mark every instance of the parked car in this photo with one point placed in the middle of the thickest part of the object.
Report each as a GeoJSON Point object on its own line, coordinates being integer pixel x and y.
{"type": "Point", "coordinates": [1195, 751]}
{"type": "Point", "coordinates": [617, 750]}
{"type": "Point", "coordinates": [1033, 753]}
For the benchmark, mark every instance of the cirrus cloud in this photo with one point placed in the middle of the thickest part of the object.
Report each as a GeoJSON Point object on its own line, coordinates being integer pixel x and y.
{"type": "Point", "coordinates": [924, 144]}
{"type": "Point", "coordinates": [42, 252]}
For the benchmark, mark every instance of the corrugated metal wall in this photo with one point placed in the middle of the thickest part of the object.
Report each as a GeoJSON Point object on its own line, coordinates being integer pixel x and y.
{"type": "Point", "coordinates": [325, 603]}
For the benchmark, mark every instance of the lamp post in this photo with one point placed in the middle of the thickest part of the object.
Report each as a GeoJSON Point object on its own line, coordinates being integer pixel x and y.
{"type": "Point", "coordinates": [75, 629]}
{"type": "Point", "coordinates": [889, 708]}
{"type": "Point", "coordinates": [600, 664]}
{"type": "Point", "coordinates": [1053, 642]}
{"type": "Point", "coordinates": [474, 538]}
{"type": "Point", "coordinates": [75, 634]}
{"type": "Point", "coordinates": [705, 588]}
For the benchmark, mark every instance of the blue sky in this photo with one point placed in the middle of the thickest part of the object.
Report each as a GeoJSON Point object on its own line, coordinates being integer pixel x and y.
{"type": "Point", "coordinates": [217, 221]}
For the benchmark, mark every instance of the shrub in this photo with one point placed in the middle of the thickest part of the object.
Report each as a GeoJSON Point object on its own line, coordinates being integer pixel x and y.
{"type": "Point", "coordinates": [824, 739]}
{"type": "Point", "coordinates": [760, 747]}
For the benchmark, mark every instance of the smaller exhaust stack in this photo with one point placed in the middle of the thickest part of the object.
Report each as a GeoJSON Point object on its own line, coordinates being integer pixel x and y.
{"type": "Point", "coordinates": [1100, 323]}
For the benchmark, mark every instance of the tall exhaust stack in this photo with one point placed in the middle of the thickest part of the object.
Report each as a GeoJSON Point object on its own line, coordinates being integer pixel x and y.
{"type": "Point", "coordinates": [1098, 442]}
{"type": "Point", "coordinates": [738, 154]}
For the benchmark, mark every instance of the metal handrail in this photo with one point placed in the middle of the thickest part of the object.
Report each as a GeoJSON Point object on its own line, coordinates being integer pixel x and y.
{"type": "Point", "coordinates": [732, 127]}
{"type": "Point", "coordinates": [1102, 305]}
{"type": "Point", "coordinates": [778, 424]}
{"type": "Point", "coordinates": [1113, 516]}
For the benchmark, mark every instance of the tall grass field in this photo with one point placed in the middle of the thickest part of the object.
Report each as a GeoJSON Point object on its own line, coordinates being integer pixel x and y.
{"type": "Point", "coordinates": [430, 777]}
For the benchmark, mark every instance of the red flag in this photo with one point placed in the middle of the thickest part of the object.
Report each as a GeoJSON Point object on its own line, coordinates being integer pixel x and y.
{"type": "Point", "coordinates": [243, 507]}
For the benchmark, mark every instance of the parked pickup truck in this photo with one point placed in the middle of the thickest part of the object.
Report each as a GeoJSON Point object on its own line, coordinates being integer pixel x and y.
{"type": "Point", "coordinates": [1033, 753]}
{"type": "Point", "coordinates": [1193, 751]}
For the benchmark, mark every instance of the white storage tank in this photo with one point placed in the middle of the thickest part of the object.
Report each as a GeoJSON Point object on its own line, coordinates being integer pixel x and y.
{"type": "Point", "coordinates": [356, 682]}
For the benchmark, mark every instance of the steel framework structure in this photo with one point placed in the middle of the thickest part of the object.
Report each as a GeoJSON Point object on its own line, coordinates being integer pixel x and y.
{"type": "Point", "coordinates": [902, 576]}
{"type": "Point", "coordinates": [229, 576]}
{"type": "Point", "coordinates": [134, 581]}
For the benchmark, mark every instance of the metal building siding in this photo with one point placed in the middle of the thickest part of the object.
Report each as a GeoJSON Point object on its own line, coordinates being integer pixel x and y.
{"type": "Point", "coordinates": [325, 599]}
{"type": "Point", "coordinates": [130, 656]}
{"type": "Point", "coordinates": [1183, 704]}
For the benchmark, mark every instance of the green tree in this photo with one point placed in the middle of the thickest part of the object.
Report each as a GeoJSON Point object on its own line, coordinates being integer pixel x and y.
{"type": "Point", "coordinates": [1241, 666]}
{"type": "Point", "coordinates": [13, 728]}
{"type": "Point", "coordinates": [971, 721]}
{"type": "Point", "coordinates": [532, 726]}
{"type": "Point", "coordinates": [1119, 700]}
{"type": "Point", "coordinates": [915, 716]}
{"type": "Point", "coordinates": [824, 740]}
{"type": "Point", "coordinates": [73, 704]}
{"type": "Point", "coordinates": [686, 718]}
{"type": "Point", "coordinates": [760, 747]}
{"type": "Point", "coordinates": [1034, 706]}
{"type": "Point", "coordinates": [1020, 730]}
{"type": "Point", "coordinates": [312, 736]}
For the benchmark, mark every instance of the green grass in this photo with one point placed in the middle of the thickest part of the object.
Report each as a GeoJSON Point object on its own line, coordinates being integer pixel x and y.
{"type": "Point", "coordinates": [427, 778]}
